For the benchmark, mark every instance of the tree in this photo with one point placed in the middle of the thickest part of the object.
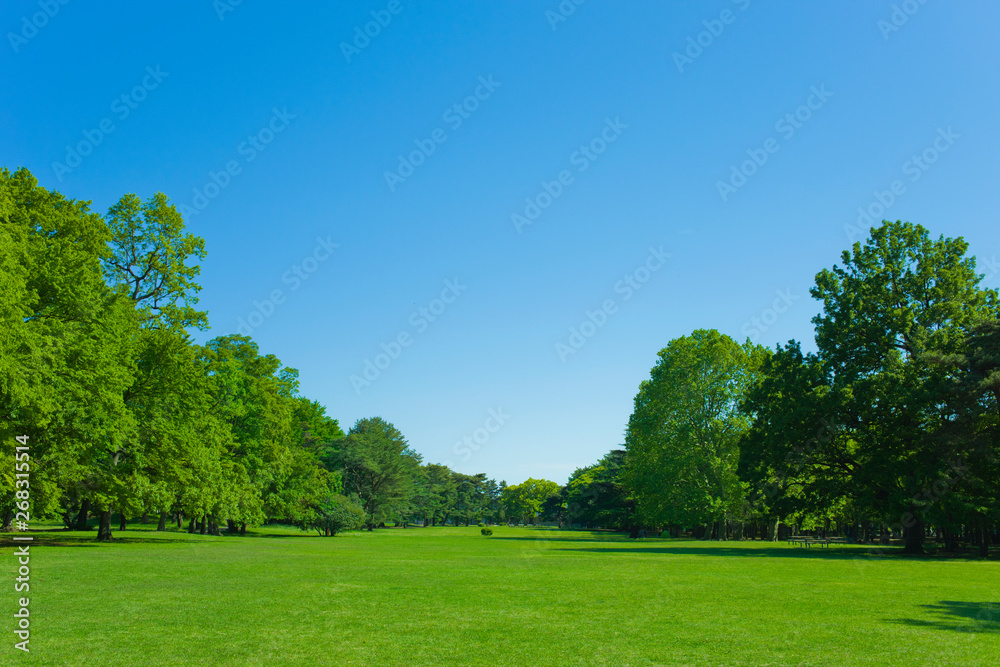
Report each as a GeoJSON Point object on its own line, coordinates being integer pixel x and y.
{"type": "Point", "coordinates": [682, 438]}
{"type": "Point", "coordinates": [337, 513]}
{"type": "Point", "coordinates": [896, 302]}
{"type": "Point", "coordinates": [150, 261]}
{"type": "Point", "coordinates": [595, 496]}
{"type": "Point", "coordinates": [69, 340]}
{"type": "Point", "coordinates": [122, 410]}
{"type": "Point", "coordinates": [469, 496]}
{"type": "Point", "coordinates": [795, 458]}
{"type": "Point", "coordinates": [524, 501]}
{"type": "Point", "coordinates": [379, 467]}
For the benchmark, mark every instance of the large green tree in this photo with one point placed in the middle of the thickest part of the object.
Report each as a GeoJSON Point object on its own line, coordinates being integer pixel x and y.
{"type": "Point", "coordinates": [897, 303]}
{"type": "Point", "coordinates": [682, 438]}
{"type": "Point", "coordinates": [68, 342]}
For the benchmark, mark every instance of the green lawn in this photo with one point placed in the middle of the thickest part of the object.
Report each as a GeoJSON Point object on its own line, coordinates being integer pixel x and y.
{"type": "Point", "coordinates": [525, 597]}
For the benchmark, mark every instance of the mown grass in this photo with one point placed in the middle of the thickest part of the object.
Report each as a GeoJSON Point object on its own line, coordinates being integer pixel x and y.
{"type": "Point", "coordinates": [448, 596]}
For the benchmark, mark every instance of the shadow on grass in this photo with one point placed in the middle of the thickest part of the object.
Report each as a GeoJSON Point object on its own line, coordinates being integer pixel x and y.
{"type": "Point", "coordinates": [58, 538]}
{"type": "Point", "coordinates": [745, 552]}
{"type": "Point", "coordinates": [92, 542]}
{"type": "Point", "coordinates": [560, 537]}
{"type": "Point", "coordinates": [748, 548]}
{"type": "Point", "coordinates": [958, 617]}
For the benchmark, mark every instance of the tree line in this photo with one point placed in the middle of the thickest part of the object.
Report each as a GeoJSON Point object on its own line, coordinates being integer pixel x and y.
{"type": "Point", "coordinates": [125, 414]}
{"type": "Point", "coordinates": [891, 428]}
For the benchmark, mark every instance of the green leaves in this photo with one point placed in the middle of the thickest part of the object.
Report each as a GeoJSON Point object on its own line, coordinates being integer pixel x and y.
{"type": "Point", "coordinates": [682, 437]}
{"type": "Point", "coordinates": [122, 409]}
{"type": "Point", "coordinates": [902, 386]}
{"type": "Point", "coordinates": [149, 261]}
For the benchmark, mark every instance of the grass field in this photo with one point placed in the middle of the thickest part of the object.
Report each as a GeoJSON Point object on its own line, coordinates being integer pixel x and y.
{"type": "Point", "coordinates": [526, 596]}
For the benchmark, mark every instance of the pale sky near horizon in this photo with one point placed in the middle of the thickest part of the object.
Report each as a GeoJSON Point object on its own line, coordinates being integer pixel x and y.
{"type": "Point", "coordinates": [502, 212]}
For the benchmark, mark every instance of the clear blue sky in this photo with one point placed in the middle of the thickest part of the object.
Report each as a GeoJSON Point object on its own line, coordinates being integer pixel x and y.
{"type": "Point", "coordinates": [672, 130]}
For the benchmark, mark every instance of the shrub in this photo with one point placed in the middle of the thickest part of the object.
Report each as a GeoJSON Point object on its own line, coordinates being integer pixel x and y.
{"type": "Point", "coordinates": [337, 513]}
{"type": "Point", "coordinates": [486, 531]}
{"type": "Point", "coordinates": [480, 524]}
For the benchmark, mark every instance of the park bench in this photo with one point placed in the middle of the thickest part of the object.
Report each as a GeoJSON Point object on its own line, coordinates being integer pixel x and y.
{"type": "Point", "coordinates": [808, 541]}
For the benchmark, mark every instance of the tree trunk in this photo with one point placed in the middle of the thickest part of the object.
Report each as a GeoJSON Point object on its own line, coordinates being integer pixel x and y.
{"type": "Point", "coordinates": [243, 528]}
{"type": "Point", "coordinates": [162, 525]}
{"type": "Point", "coordinates": [201, 526]}
{"type": "Point", "coordinates": [232, 527]}
{"type": "Point", "coordinates": [121, 524]}
{"type": "Point", "coordinates": [191, 526]}
{"type": "Point", "coordinates": [180, 520]}
{"type": "Point", "coordinates": [145, 518]}
{"type": "Point", "coordinates": [8, 521]}
{"type": "Point", "coordinates": [104, 528]}
{"type": "Point", "coordinates": [913, 537]}
{"type": "Point", "coordinates": [81, 518]}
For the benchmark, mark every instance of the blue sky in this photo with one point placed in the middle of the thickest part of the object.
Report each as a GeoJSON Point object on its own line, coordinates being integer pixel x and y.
{"type": "Point", "coordinates": [618, 123]}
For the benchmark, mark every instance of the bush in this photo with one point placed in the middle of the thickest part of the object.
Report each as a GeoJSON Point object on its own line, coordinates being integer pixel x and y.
{"type": "Point", "coordinates": [338, 513]}
{"type": "Point", "coordinates": [486, 531]}
{"type": "Point", "coordinates": [480, 524]}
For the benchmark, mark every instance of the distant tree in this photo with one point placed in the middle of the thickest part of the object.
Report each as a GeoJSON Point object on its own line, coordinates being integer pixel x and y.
{"type": "Point", "coordinates": [595, 495]}
{"type": "Point", "coordinates": [524, 501]}
{"type": "Point", "coordinates": [379, 467]}
{"type": "Point", "coordinates": [553, 509]}
{"type": "Point", "coordinates": [470, 496]}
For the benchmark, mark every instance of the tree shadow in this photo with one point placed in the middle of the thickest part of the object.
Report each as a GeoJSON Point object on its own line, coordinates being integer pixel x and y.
{"type": "Point", "coordinates": [57, 538]}
{"type": "Point", "coordinates": [958, 616]}
{"type": "Point", "coordinates": [830, 553]}
{"type": "Point", "coordinates": [560, 537]}
{"type": "Point", "coordinates": [621, 543]}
